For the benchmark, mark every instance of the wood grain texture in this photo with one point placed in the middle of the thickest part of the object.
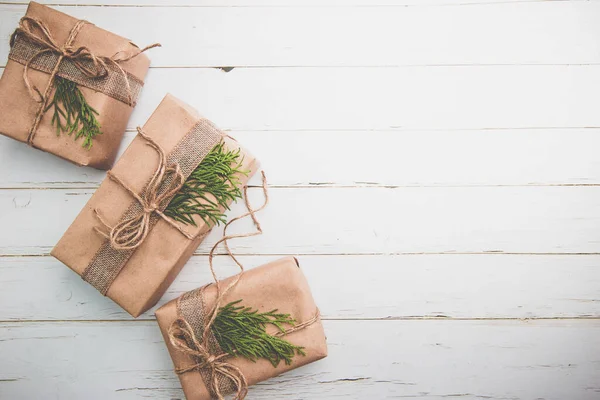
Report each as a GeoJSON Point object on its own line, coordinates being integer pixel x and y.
{"type": "Point", "coordinates": [540, 33]}
{"type": "Point", "coordinates": [279, 3]}
{"type": "Point", "coordinates": [425, 141]}
{"type": "Point", "coordinates": [358, 220]}
{"type": "Point", "coordinates": [406, 158]}
{"type": "Point", "coordinates": [407, 98]}
{"type": "Point", "coordinates": [423, 286]}
{"type": "Point", "coordinates": [367, 360]}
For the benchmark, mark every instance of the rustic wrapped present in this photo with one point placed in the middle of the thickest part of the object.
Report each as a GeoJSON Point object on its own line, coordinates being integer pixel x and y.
{"type": "Point", "coordinates": [166, 192]}
{"type": "Point", "coordinates": [69, 87]}
{"type": "Point", "coordinates": [247, 328]}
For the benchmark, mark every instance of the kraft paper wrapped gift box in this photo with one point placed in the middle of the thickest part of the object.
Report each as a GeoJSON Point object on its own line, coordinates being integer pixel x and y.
{"type": "Point", "coordinates": [108, 70]}
{"type": "Point", "coordinates": [277, 285]}
{"type": "Point", "coordinates": [137, 278]}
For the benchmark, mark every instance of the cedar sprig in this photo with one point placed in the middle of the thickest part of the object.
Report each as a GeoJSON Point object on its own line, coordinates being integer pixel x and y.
{"type": "Point", "coordinates": [241, 331]}
{"type": "Point", "coordinates": [210, 188]}
{"type": "Point", "coordinates": [72, 113]}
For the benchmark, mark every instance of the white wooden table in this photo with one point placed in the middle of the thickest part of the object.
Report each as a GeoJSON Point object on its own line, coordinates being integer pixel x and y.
{"type": "Point", "coordinates": [435, 164]}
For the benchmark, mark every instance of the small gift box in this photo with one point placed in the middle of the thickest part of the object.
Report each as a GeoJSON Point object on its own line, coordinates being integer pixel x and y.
{"type": "Point", "coordinates": [261, 323]}
{"type": "Point", "coordinates": [170, 187]}
{"type": "Point", "coordinates": [69, 87]}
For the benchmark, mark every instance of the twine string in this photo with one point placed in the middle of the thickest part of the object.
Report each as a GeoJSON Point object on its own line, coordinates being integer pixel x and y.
{"type": "Point", "coordinates": [252, 213]}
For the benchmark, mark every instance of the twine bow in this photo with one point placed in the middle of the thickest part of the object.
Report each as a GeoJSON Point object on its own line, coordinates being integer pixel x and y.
{"type": "Point", "coordinates": [183, 339]}
{"type": "Point", "coordinates": [166, 181]}
{"type": "Point", "coordinates": [182, 336]}
{"type": "Point", "coordinates": [92, 66]}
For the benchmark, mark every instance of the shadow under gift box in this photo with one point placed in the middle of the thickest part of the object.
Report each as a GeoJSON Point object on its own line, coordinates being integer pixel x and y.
{"type": "Point", "coordinates": [19, 109]}
{"type": "Point", "coordinates": [277, 285]}
{"type": "Point", "coordinates": [156, 262]}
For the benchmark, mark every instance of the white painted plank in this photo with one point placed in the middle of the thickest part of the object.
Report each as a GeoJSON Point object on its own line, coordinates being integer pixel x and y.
{"type": "Point", "coordinates": [360, 220]}
{"type": "Point", "coordinates": [366, 99]}
{"type": "Point", "coordinates": [431, 360]}
{"type": "Point", "coordinates": [539, 33]}
{"type": "Point", "coordinates": [383, 98]}
{"type": "Point", "coordinates": [416, 158]}
{"type": "Point", "coordinates": [389, 287]}
{"type": "Point", "coordinates": [278, 3]}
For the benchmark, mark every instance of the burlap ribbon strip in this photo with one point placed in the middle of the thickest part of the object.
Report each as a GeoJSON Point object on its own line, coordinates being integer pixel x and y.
{"type": "Point", "coordinates": [147, 208]}
{"type": "Point", "coordinates": [191, 332]}
{"type": "Point", "coordinates": [33, 46]}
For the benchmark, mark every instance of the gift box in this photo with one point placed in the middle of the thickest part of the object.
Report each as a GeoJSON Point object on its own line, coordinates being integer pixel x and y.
{"type": "Point", "coordinates": [166, 192]}
{"type": "Point", "coordinates": [69, 87]}
{"type": "Point", "coordinates": [227, 359]}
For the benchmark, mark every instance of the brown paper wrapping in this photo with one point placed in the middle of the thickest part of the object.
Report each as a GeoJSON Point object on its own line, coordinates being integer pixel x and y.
{"type": "Point", "coordinates": [278, 285]}
{"type": "Point", "coordinates": [154, 265]}
{"type": "Point", "coordinates": [18, 109]}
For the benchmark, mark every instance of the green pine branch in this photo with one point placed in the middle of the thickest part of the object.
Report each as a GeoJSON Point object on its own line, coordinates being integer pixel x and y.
{"type": "Point", "coordinates": [210, 188]}
{"type": "Point", "coordinates": [72, 113]}
{"type": "Point", "coordinates": [241, 331]}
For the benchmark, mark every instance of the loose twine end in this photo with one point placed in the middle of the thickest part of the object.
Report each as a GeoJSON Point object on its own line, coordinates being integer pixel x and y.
{"type": "Point", "coordinates": [183, 338]}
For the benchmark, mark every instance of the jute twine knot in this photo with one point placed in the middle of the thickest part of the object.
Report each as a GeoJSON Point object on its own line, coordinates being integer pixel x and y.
{"type": "Point", "coordinates": [93, 66]}
{"type": "Point", "coordinates": [182, 336]}
{"type": "Point", "coordinates": [166, 181]}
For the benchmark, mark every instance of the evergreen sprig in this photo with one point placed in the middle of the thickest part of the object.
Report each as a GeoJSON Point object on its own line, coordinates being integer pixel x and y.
{"type": "Point", "coordinates": [241, 331]}
{"type": "Point", "coordinates": [209, 189]}
{"type": "Point", "coordinates": [72, 113]}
